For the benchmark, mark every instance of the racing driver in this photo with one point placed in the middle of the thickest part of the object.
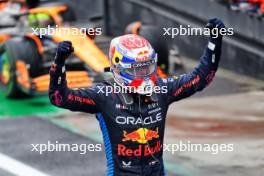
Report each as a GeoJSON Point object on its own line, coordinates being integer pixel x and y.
{"type": "Point", "coordinates": [133, 121]}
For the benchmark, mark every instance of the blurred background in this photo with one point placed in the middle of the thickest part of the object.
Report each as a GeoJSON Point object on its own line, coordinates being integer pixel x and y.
{"type": "Point", "coordinates": [230, 110]}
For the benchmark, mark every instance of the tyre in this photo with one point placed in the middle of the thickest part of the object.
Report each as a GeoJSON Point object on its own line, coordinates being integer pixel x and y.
{"type": "Point", "coordinates": [11, 51]}
{"type": "Point", "coordinates": [154, 36]}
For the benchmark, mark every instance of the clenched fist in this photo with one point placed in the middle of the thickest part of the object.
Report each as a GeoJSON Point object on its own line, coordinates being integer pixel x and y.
{"type": "Point", "coordinates": [64, 50]}
{"type": "Point", "coordinates": [217, 27]}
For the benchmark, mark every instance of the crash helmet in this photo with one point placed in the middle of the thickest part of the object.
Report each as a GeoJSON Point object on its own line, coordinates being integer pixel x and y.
{"type": "Point", "coordinates": [133, 63]}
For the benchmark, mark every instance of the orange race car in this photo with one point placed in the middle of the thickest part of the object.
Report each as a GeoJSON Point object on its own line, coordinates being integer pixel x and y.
{"type": "Point", "coordinates": [25, 57]}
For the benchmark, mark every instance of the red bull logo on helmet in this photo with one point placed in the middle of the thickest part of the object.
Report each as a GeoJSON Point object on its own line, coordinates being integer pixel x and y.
{"type": "Point", "coordinates": [132, 41]}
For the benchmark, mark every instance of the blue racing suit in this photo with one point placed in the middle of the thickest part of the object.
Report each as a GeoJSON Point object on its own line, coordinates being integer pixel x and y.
{"type": "Point", "coordinates": [133, 125]}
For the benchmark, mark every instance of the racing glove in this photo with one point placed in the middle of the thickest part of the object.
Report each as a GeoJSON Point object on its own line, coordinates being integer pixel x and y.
{"type": "Point", "coordinates": [63, 52]}
{"type": "Point", "coordinates": [213, 51]}
{"type": "Point", "coordinates": [216, 26]}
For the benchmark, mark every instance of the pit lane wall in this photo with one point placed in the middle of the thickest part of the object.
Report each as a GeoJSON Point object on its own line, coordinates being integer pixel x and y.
{"type": "Point", "coordinates": [243, 52]}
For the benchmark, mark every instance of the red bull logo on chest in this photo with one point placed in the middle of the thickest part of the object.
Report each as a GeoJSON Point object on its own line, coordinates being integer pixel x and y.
{"type": "Point", "coordinates": [141, 135]}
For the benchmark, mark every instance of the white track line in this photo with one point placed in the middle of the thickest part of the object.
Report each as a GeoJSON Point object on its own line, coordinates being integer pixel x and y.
{"type": "Point", "coordinates": [16, 167]}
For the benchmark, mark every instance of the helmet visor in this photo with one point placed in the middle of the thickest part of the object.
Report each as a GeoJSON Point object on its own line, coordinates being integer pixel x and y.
{"type": "Point", "coordinates": [141, 69]}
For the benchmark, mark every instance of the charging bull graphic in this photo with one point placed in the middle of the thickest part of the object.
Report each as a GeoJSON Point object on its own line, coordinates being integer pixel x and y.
{"type": "Point", "coordinates": [141, 135]}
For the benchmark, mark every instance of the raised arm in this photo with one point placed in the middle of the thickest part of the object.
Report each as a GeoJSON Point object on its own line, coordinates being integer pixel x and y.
{"type": "Point", "coordinates": [85, 100]}
{"type": "Point", "coordinates": [187, 84]}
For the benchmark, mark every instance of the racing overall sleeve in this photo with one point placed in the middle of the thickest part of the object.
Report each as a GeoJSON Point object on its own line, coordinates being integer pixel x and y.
{"type": "Point", "coordinates": [85, 100]}
{"type": "Point", "coordinates": [187, 84]}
